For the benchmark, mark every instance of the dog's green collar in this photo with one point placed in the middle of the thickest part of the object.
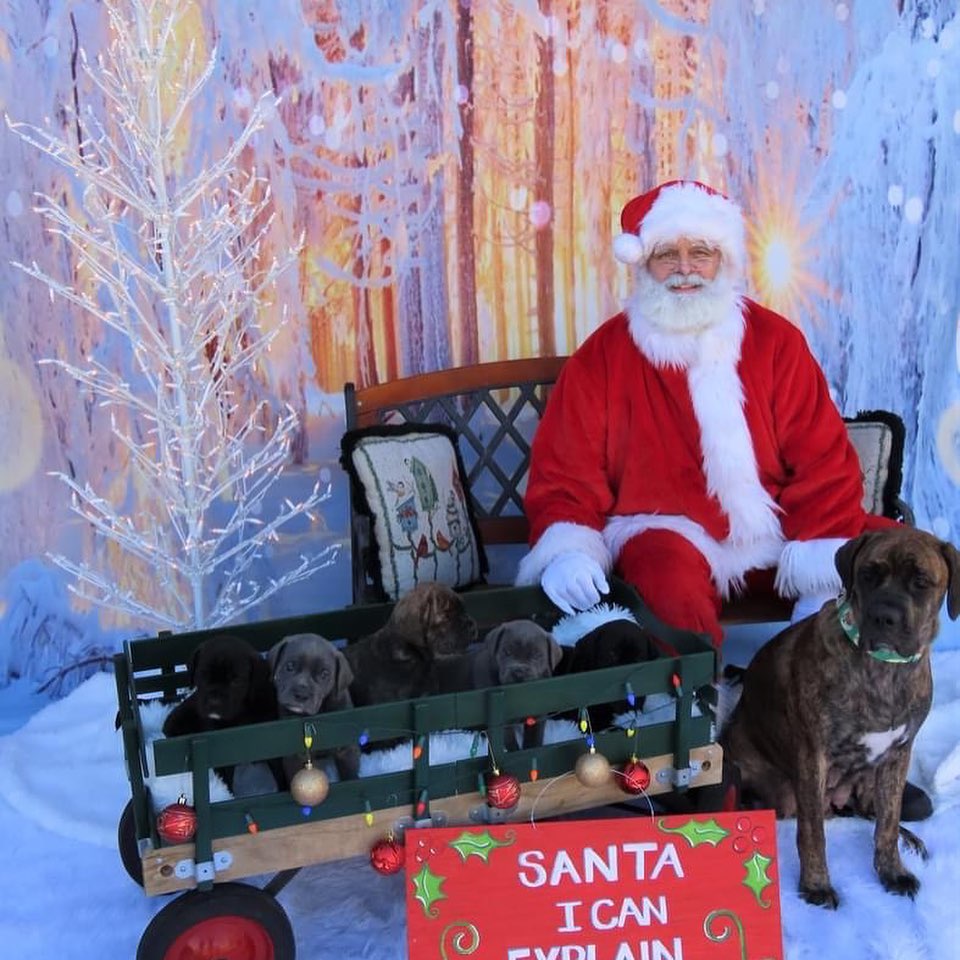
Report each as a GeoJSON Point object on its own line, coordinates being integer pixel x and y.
{"type": "Point", "coordinates": [850, 628]}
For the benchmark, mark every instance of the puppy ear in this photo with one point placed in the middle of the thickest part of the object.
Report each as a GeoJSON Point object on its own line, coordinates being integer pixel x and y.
{"type": "Point", "coordinates": [276, 655]}
{"type": "Point", "coordinates": [261, 679]}
{"type": "Point", "coordinates": [554, 652]}
{"type": "Point", "coordinates": [846, 557]}
{"type": "Point", "coordinates": [494, 638]}
{"type": "Point", "coordinates": [192, 665]}
{"type": "Point", "coordinates": [952, 556]}
{"type": "Point", "coordinates": [407, 621]}
{"type": "Point", "coordinates": [342, 674]}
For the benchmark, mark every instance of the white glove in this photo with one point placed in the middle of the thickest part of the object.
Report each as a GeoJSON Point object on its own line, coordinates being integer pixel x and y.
{"type": "Point", "coordinates": [574, 581]}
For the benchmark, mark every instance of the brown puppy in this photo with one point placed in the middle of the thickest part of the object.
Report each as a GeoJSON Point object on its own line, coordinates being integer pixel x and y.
{"type": "Point", "coordinates": [232, 688]}
{"type": "Point", "coordinates": [312, 676]}
{"type": "Point", "coordinates": [397, 661]}
{"type": "Point", "coordinates": [830, 709]}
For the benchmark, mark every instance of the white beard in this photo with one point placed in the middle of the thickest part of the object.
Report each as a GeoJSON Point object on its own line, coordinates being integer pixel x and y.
{"type": "Point", "coordinates": [669, 326]}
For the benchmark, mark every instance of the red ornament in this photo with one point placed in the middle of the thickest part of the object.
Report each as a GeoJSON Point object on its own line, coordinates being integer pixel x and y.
{"type": "Point", "coordinates": [636, 777]}
{"type": "Point", "coordinates": [387, 856]}
{"type": "Point", "coordinates": [177, 823]}
{"type": "Point", "coordinates": [503, 791]}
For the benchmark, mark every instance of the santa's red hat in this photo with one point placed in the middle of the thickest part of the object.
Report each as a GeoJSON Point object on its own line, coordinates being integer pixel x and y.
{"type": "Point", "coordinates": [682, 208]}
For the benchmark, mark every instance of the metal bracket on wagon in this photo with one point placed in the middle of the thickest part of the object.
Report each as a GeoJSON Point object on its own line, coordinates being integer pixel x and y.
{"type": "Point", "coordinates": [436, 819]}
{"type": "Point", "coordinates": [679, 778]}
{"type": "Point", "coordinates": [188, 868]}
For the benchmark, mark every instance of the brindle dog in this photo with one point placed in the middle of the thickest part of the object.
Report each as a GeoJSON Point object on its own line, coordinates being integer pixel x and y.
{"type": "Point", "coordinates": [831, 706]}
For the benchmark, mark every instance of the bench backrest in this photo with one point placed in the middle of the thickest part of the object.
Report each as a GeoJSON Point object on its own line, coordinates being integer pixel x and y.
{"type": "Point", "coordinates": [495, 409]}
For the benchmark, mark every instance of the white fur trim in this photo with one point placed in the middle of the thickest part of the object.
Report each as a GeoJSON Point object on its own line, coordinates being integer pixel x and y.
{"type": "Point", "coordinates": [167, 789]}
{"type": "Point", "coordinates": [728, 561]}
{"type": "Point", "coordinates": [561, 538]}
{"type": "Point", "coordinates": [809, 567]}
{"type": "Point", "coordinates": [627, 248]}
{"type": "Point", "coordinates": [569, 629]}
{"type": "Point", "coordinates": [686, 210]}
{"type": "Point", "coordinates": [729, 461]}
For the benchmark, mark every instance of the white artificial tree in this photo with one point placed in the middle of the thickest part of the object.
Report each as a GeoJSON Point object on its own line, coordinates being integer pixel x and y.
{"type": "Point", "coordinates": [175, 264]}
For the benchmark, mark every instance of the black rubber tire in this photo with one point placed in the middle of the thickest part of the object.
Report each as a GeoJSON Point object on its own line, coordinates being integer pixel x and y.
{"type": "Point", "coordinates": [233, 921]}
{"type": "Point", "coordinates": [127, 845]}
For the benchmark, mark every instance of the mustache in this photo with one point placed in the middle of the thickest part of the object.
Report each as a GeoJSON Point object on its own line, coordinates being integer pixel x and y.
{"type": "Point", "coordinates": [685, 280]}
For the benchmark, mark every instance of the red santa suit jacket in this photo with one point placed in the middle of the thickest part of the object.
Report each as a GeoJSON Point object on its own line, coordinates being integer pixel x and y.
{"type": "Point", "coordinates": [737, 446]}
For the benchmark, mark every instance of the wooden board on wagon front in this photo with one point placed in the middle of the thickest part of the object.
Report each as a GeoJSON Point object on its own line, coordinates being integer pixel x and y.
{"type": "Point", "coordinates": [699, 887]}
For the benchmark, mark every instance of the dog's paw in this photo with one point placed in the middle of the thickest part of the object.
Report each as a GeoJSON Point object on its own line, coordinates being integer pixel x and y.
{"type": "Point", "coordinates": [821, 897]}
{"type": "Point", "coordinates": [903, 884]}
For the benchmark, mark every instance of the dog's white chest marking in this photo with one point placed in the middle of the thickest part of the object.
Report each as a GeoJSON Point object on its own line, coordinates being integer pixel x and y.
{"type": "Point", "coordinates": [877, 744]}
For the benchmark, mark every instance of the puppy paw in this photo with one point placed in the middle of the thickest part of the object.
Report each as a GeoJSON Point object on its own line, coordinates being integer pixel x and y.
{"type": "Point", "coordinates": [903, 884]}
{"type": "Point", "coordinates": [821, 897]}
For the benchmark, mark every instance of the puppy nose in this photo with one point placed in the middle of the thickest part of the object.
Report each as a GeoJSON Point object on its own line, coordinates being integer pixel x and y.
{"type": "Point", "coordinates": [886, 616]}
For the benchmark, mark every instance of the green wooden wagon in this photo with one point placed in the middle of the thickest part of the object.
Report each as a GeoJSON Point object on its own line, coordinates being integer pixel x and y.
{"type": "Point", "coordinates": [214, 916]}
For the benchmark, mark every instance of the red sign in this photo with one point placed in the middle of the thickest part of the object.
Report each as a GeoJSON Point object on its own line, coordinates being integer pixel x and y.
{"type": "Point", "coordinates": [631, 888]}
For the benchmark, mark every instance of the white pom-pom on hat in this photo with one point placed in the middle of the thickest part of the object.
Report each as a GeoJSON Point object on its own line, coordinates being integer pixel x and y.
{"type": "Point", "coordinates": [627, 248]}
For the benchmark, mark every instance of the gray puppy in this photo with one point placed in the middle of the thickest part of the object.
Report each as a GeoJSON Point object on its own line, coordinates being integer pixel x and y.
{"type": "Point", "coordinates": [312, 676]}
{"type": "Point", "coordinates": [513, 652]}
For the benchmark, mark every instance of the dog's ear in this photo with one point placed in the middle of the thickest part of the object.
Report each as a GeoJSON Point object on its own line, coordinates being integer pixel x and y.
{"type": "Point", "coordinates": [952, 556]}
{"type": "Point", "coordinates": [846, 557]}
{"type": "Point", "coordinates": [407, 620]}
{"type": "Point", "coordinates": [554, 652]}
{"type": "Point", "coordinates": [192, 665]}
{"type": "Point", "coordinates": [342, 674]}
{"type": "Point", "coordinates": [493, 640]}
{"type": "Point", "coordinates": [276, 655]}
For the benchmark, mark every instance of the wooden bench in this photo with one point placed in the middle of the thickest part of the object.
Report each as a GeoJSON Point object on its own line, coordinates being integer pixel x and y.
{"type": "Point", "coordinates": [495, 409]}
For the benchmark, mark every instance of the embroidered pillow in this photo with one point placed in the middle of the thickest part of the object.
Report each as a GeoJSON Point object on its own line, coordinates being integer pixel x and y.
{"type": "Point", "coordinates": [409, 481]}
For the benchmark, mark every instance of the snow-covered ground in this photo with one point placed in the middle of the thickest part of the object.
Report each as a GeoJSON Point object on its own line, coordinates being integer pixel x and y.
{"type": "Point", "coordinates": [66, 896]}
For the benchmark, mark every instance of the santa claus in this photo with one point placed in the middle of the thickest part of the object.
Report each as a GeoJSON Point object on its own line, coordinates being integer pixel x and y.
{"type": "Point", "coordinates": [691, 441]}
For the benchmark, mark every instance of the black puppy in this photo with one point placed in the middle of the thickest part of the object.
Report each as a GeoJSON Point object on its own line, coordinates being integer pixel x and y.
{"type": "Point", "coordinates": [612, 644]}
{"type": "Point", "coordinates": [232, 687]}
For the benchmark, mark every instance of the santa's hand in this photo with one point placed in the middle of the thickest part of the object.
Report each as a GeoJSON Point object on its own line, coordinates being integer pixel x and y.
{"type": "Point", "coordinates": [574, 581]}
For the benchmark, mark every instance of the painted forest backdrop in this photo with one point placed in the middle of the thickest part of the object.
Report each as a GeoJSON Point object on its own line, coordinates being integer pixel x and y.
{"type": "Point", "coordinates": [455, 170]}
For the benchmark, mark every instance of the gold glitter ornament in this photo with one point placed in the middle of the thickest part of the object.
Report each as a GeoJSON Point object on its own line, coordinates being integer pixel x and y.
{"type": "Point", "coordinates": [309, 786]}
{"type": "Point", "coordinates": [593, 769]}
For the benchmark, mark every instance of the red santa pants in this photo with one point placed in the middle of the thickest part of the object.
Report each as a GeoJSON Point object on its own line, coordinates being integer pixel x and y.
{"type": "Point", "coordinates": [673, 578]}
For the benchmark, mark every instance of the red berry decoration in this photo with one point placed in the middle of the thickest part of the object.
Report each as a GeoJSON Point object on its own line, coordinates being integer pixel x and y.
{"type": "Point", "coordinates": [177, 823]}
{"type": "Point", "coordinates": [503, 790]}
{"type": "Point", "coordinates": [387, 856]}
{"type": "Point", "coordinates": [636, 777]}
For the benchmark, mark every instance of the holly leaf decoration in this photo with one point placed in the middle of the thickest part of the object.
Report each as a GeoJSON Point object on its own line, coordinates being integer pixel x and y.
{"type": "Point", "coordinates": [696, 832]}
{"type": "Point", "coordinates": [426, 886]}
{"type": "Point", "coordinates": [479, 844]}
{"type": "Point", "coordinates": [756, 879]}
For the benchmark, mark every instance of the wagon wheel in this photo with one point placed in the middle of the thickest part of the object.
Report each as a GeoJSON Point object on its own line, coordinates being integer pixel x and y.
{"type": "Point", "coordinates": [233, 921]}
{"type": "Point", "coordinates": [127, 844]}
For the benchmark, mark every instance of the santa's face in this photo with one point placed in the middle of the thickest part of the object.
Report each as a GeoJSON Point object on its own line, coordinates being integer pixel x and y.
{"type": "Point", "coordinates": [681, 288]}
{"type": "Point", "coordinates": [684, 264]}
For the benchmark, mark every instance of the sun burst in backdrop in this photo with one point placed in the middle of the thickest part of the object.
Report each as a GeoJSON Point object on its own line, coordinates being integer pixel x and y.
{"type": "Point", "coordinates": [780, 240]}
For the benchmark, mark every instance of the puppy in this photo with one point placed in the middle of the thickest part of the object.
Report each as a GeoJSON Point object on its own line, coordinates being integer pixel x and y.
{"type": "Point", "coordinates": [397, 662]}
{"type": "Point", "coordinates": [513, 652]}
{"type": "Point", "coordinates": [612, 644]}
{"type": "Point", "coordinates": [232, 687]}
{"type": "Point", "coordinates": [312, 676]}
{"type": "Point", "coordinates": [830, 706]}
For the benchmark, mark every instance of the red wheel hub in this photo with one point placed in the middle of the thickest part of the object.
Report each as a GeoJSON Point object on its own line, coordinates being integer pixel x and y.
{"type": "Point", "coordinates": [222, 938]}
